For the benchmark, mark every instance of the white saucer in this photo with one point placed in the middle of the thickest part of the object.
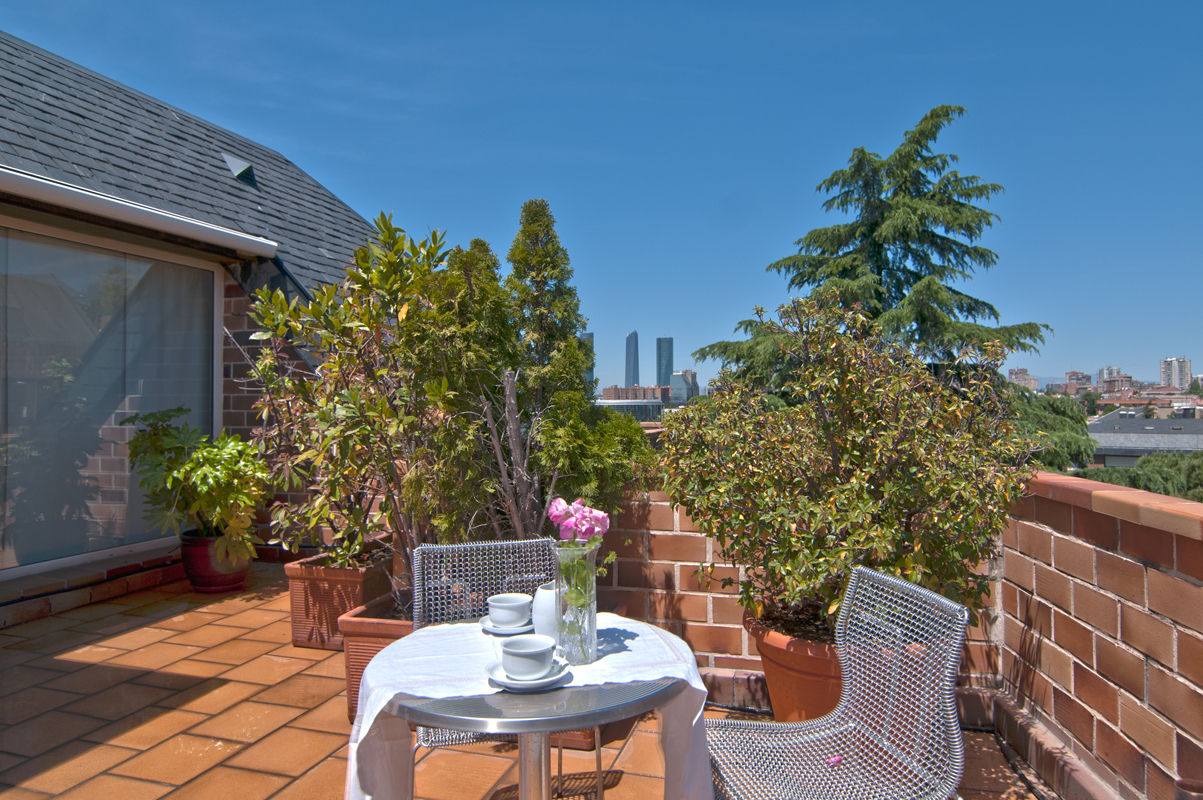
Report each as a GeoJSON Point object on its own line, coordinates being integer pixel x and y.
{"type": "Point", "coordinates": [559, 675]}
{"type": "Point", "coordinates": [489, 628]}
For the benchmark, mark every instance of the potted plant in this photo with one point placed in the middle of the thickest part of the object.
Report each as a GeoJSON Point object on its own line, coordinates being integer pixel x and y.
{"type": "Point", "coordinates": [209, 488]}
{"type": "Point", "coordinates": [866, 455]}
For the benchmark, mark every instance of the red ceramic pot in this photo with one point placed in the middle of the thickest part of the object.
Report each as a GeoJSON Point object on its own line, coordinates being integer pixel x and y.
{"type": "Point", "coordinates": [205, 570]}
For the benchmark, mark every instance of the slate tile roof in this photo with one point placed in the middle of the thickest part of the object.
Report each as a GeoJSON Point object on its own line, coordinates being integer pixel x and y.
{"type": "Point", "coordinates": [62, 121]}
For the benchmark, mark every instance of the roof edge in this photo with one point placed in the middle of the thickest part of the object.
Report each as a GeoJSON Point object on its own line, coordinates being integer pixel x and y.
{"type": "Point", "coordinates": [76, 198]}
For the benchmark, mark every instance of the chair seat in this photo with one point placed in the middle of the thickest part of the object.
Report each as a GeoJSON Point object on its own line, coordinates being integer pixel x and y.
{"type": "Point", "coordinates": [825, 759]}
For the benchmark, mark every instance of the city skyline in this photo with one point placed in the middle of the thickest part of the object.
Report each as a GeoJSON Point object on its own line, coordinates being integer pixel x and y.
{"type": "Point", "coordinates": [680, 155]}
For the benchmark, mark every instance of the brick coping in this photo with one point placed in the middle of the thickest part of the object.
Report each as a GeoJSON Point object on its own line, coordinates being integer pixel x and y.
{"type": "Point", "coordinates": [1162, 512]}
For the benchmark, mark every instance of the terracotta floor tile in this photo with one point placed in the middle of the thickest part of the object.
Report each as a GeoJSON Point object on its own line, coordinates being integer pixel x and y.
{"type": "Point", "coordinates": [90, 654]}
{"type": "Point", "coordinates": [106, 787]}
{"type": "Point", "coordinates": [256, 618]}
{"type": "Point", "coordinates": [303, 691]}
{"type": "Point", "coordinates": [288, 751]}
{"type": "Point", "coordinates": [45, 732]}
{"type": "Point", "coordinates": [11, 658]}
{"type": "Point", "coordinates": [119, 701]}
{"type": "Point", "coordinates": [93, 678]}
{"type": "Point", "coordinates": [211, 697]}
{"type": "Point", "coordinates": [230, 783]}
{"type": "Point", "coordinates": [234, 604]}
{"type": "Point", "coordinates": [15, 793]}
{"type": "Point", "coordinates": [309, 653]}
{"type": "Point", "coordinates": [190, 667]}
{"type": "Point", "coordinates": [57, 663]}
{"type": "Point", "coordinates": [281, 603]}
{"type": "Point", "coordinates": [235, 651]}
{"type": "Point", "coordinates": [31, 702]}
{"type": "Point", "coordinates": [145, 728]}
{"type": "Point", "coordinates": [39, 627]}
{"type": "Point", "coordinates": [178, 760]}
{"type": "Point", "coordinates": [187, 621]}
{"type": "Point", "coordinates": [330, 716]}
{"type": "Point", "coordinates": [137, 638]}
{"type": "Point", "coordinates": [207, 635]}
{"type": "Point", "coordinates": [326, 780]}
{"type": "Point", "coordinates": [163, 609]}
{"type": "Point", "coordinates": [22, 676]}
{"type": "Point", "coordinates": [154, 656]}
{"type": "Point", "coordinates": [109, 625]}
{"type": "Point", "coordinates": [56, 642]}
{"type": "Point", "coordinates": [247, 721]}
{"type": "Point", "coordinates": [448, 775]}
{"type": "Point", "coordinates": [333, 667]}
{"type": "Point", "coordinates": [278, 632]}
{"type": "Point", "coordinates": [267, 669]}
{"type": "Point", "coordinates": [8, 761]}
{"type": "Point", "coordinates": [642, 756]}
{"type": "Point", "coordinates": [634, 787]}
{"type": "Point", "coordinates": [64, 767]}
{"type": "Point", "coordinates": [140, 599]}
{"type": "Point", "coordinates": [94, 612]}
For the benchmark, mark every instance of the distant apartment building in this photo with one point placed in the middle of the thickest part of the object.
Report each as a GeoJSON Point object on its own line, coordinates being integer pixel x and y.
{"type": "Point", "coordinates": [683, 385]}
{"type": "Point", "coordinates": [1117, 384]}
{"type": "Point", "coordinates": [664, 360]}
{"type": "Point", "coordinates": [1107, 373]}
{"type": "Point", "coordinates": [660, 393]}
{"type": "Point", "coordinates": [1022, 378]}
{"type": "Point", "coordinates": [1079, 378]}
{"type": "Point", "coordinates": [632, 358]}
{"type": "Point", "coordinates": [1176, 372]}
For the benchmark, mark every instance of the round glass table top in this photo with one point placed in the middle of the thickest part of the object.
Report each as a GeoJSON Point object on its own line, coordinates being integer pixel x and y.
{"type": "Point", "coordinates": [558, 710]}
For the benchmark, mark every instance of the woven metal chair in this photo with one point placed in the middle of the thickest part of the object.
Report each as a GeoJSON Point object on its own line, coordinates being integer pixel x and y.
{"type": "Point", "coordinates": [895, 732]}
{"type": "Point", "coordinates": [453, 583]}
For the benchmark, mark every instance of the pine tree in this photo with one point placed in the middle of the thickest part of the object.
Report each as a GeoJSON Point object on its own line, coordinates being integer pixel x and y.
{"type": "Point", "coordinates": [909, 240]}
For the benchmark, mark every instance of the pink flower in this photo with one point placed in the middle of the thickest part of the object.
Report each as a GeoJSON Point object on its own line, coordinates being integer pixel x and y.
{"type": "Point", "coordinates": [577, 522]}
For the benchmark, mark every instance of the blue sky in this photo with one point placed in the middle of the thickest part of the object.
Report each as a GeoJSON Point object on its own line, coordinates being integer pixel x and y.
{"type": "Point", "coordinates": [679, 144]}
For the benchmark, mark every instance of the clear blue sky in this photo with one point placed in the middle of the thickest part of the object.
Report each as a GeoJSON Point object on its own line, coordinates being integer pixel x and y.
{"type": "Point", "coordinates": [679, 144]}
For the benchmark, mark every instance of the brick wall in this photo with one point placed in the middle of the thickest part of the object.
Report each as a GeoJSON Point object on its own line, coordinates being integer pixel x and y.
{"type": "Point", "coordinates": [1102, 600]}
{"type": "Point", "coordinates": [238, 393]}
{"type": "Point", "coordinates": [656, 578]}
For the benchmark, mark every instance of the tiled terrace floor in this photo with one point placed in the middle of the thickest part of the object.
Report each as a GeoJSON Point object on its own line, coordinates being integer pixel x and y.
{"type": "Point", "coordinates": [172, 694]}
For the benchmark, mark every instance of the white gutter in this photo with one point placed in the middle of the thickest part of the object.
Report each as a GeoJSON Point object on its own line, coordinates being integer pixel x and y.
{"type": "Point", "coordinates": [75, 198]}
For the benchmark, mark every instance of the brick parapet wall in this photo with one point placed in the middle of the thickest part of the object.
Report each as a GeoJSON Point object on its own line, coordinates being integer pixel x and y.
{"type": "Point", "coordinates": [1102, 610]}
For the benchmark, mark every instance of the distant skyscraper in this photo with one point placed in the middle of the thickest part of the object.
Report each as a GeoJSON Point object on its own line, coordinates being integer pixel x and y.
{"type": "Point", "coordinates": [664, 360]}
{"type": "Point", "coordinates": [587, 338]}
{"type": "Point", "coordinates": [633, 358]}
{"type": "Point", "coordinates": [1107, 373]}
{"type": "Point", "coordinates": [684, 385]}
{"type": "Point", "coordinates": [1176, 372]}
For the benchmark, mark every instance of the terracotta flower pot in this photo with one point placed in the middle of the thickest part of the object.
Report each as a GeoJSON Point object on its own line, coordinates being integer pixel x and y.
{"type": "Point", "coordinates": [803, 677]}
{"type": "Point", "coordinates": [366, 630]}
{"type": "Point", "coordinates": [205, 570]}
{"type": "Point", "coordinates": [319, 594]}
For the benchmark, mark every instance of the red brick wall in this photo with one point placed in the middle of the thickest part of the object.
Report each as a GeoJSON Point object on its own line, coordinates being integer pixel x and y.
{"type": "Point", "coordinates": [1102, 599]}
{"type": "Point", "coordinates": [238, 393]}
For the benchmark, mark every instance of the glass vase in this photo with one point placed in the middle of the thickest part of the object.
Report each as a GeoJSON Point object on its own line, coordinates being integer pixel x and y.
{"type": "Point", "coordinates": [576, 598]}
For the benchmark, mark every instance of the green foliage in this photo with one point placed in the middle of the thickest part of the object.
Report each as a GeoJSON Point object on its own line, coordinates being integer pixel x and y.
{"type": "Point", "coordinates": [877, 460]}
{"type": "Point", "coordinates": [1196, 389]}
{"type": "Point", "coordinates": [446, 403]}
{"type": "Point", "coordinates": [217, 485]}
{"type": "Point", "coordinates": [909, 237]}
{"type": "Point", "coordinates": [1090, 403]}
{"type": "Point", "coordinates": [1149, 412]}
{"type": "Point", "coordinates": [1174, 474]}
{"type": "Point", "coordinates": [1056, 424]}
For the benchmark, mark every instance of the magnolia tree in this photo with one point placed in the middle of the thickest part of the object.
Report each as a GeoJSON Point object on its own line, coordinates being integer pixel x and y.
{"type": "Point", "coordinates": [877, 459]}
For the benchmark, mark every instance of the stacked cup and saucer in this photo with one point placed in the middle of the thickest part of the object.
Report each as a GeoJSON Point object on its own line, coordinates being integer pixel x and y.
{"type": "Point", "coordinates": [528, 660]}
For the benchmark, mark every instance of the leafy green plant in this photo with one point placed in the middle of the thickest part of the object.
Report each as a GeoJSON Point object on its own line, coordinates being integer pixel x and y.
{"type": "Point", "coordinates": [877, 459]}
{"type": "Point", "coordinates": [189, 479]}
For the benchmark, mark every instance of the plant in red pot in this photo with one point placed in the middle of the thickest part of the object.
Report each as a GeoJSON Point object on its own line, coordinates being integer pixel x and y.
{"type": "Point", "coordinates": [210, 489]}
{"type": "Point", "coordinates": [853, 451]}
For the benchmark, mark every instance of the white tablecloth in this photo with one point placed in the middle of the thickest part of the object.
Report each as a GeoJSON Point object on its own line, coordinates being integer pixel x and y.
{"type": "Point", "coordinates": [449, 661]}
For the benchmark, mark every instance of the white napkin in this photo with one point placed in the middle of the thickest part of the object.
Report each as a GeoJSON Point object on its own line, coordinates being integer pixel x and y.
{"type": "Point", "coordinates": [450, 660]}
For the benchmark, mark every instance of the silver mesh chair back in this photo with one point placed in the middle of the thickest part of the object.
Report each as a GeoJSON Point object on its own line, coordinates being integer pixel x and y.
{"type": "Point", "coordinates": [895, 732]}
{"type": "Point", "coordinates": [453, 582]}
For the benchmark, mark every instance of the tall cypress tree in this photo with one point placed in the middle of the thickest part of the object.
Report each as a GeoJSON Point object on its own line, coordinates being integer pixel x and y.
{"type": "Point", "coordinates": [911, 237]}
{"type": "Point", "coordinates": [547, 302]}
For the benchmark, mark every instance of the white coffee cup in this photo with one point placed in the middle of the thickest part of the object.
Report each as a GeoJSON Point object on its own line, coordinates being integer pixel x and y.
{"type": "Point", "coordinates": [509, 610]}
{"type": "Point", "coordinates": [527, 657]}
